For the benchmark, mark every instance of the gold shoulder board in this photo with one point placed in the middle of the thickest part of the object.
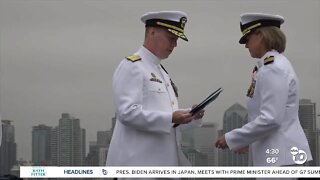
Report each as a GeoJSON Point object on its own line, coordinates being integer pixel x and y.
{"type": "Point", "coordinates": [268, 60]}
{"type": "Point", "coordinates": [133, 58]}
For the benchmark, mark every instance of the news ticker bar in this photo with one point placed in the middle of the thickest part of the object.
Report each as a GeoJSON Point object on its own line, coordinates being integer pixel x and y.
{"type": "Point", "coordinates": [168, 172]}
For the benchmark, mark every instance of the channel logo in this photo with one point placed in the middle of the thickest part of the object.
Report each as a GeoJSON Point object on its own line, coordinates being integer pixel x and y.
{"type": "Point", "coordinates": [298, 156]}
{"type": "Point", "coordinates": [104, 172]}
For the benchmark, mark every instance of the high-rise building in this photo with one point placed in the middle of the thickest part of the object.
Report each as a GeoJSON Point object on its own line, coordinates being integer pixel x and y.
{"type": "Point", "coordinates": [234, 117]}
{"type": "Point", "coordinates": [98, 149]}
{"type": "Point", "coordinates": [8, 149]}
{"type": "Point", "coordinates": [102, 155]}
{"type": "Point", "coordinates": [68, 142]}
{"type": "Point", "coordinates": [197, 145]}
{"type": "Point", "coordinates": [92, 158]}
{"type": "Point", "coordinates": [203, 139]}
{"type": "Point", "coordinates": [307, 116]}
{"type": "Point", "coordinates": [97, 155]}
{"type": "Point", "coordinates": [41, 149]}
{"type": "Point", "coordinates": [104, 138]}
{"type": "Point", "coordinates": [54, 146]}
{"type": "Point", "coordinates": [195, 157]}
{"type": "Point", "coordinates": [83, 146]}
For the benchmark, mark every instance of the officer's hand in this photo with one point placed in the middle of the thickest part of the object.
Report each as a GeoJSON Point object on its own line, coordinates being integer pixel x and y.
{"type": "Point", "coordinates": [199, 114]}
{"type": "Point", "coordinates": [181, 117]}
{"type": "Point", "coordinates": [221, 143]}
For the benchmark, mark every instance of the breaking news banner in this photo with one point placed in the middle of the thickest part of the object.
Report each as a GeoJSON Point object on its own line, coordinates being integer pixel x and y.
{"type": "Point", "coordinates": [169, 172]}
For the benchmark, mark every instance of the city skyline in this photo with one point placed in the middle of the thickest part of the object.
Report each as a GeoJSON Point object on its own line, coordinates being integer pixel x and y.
{"type": "Point", "coordinates": [59, 56]}
{"type": "Point", "coordinates": [112, 120]}
{"type": "Point", "coordinates": [46, 139]}
{"type": "Point", "coordinates": [63, 145]}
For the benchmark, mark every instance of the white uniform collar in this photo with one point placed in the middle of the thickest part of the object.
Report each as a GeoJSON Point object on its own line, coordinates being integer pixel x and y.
{"type": "Point", "coordinates": [269, 53]}
{"type": "Point", "coordinates": [144, 52]}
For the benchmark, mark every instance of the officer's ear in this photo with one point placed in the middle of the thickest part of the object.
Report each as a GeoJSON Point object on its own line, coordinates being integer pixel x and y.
{"type": "Point", "coordinates": [149, 29]}
{"type": "Point", "coordinates": [148, 33]}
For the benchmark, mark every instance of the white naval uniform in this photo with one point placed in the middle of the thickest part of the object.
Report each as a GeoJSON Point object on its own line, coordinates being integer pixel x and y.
{"type": "Point", "coordinates": [273, 115]}
{"type": "Point", "coordinates": [143, 134]}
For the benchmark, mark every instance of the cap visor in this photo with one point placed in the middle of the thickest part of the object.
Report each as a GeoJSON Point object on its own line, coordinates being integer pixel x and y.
{"type": "Point", "coordinates": [183, 37]}
{"type": "Point", "coordinates": [243, 39]}
{"type": "Point", "coordinates": [179, 34]}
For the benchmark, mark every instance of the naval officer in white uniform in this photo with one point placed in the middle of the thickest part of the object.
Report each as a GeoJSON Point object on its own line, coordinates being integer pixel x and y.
{"type": "Point", "coordinates": [146, 99]}
{"type": "Point", "coordinates": [274, 128]}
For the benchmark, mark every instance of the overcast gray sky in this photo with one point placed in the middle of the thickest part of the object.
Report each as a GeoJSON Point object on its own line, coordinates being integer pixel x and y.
{"type": "Point", "coordinates": [59, 56]}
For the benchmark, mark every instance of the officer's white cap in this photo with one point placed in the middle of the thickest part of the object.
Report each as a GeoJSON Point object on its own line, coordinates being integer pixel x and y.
{"type": "Point", "coordinates": [174, 21]}
{"type": "Point", "coordinates": [251, 21]}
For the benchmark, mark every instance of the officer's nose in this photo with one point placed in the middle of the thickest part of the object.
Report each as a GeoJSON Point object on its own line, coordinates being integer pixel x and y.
{"type": "Point", "coordinates": [246, 44]}
{"type": "Point", "coordinates": [174, 43]}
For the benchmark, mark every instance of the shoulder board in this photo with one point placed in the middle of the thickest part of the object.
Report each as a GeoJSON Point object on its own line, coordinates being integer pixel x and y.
{"type": "Point", "coordinates": [133, 58]}
{"type": "Point", "coordinates": [268, 60]}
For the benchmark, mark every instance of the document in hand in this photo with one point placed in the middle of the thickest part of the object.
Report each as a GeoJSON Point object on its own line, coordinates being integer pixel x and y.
{"type": "Point", "coordinates": [204, 103]}
{"type": "Point", "coordinates": [207, 101]}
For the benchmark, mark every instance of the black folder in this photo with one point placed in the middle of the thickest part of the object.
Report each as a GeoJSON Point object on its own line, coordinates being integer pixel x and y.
{"type": "Point", "coordinates": [204, 103]}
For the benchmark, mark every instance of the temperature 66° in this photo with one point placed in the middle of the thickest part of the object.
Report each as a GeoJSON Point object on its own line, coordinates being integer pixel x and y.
{"type": "Point", "coordinates": [272, 160]}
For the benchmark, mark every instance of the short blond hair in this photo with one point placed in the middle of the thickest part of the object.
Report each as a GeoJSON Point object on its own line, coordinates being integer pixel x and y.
{"type": "Point", "coordinates": [273, 38]}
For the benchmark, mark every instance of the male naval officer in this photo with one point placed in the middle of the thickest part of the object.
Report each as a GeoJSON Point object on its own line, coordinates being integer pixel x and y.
{"type": "Point", "coordinates": [146, 99]}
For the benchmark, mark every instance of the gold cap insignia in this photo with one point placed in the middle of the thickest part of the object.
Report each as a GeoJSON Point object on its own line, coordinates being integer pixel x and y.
{"type": "Point", "coordinates": [183, 21]}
